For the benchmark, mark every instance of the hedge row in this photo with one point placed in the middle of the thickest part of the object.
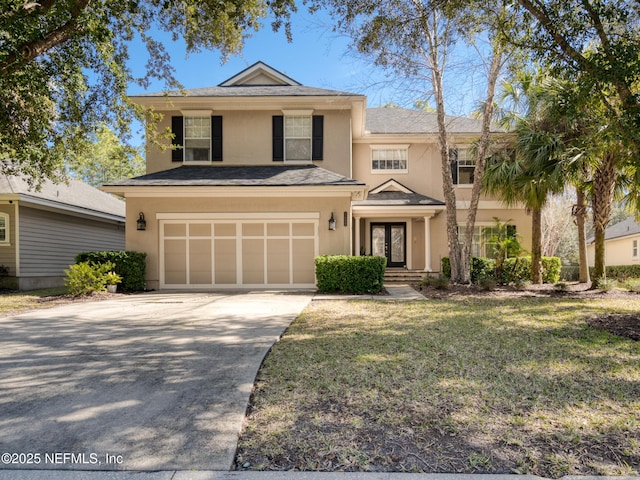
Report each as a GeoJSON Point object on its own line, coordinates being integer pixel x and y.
{"type": "Point", "coordinates": [131, 266]}
{"type": "Point", "coordinates": [347, 274]}
{"type": "Point", "coordinates": [515, 269]}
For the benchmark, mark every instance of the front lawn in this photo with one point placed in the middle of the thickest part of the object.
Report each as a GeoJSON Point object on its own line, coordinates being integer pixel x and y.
{"type": "Point", "coordinates": [484, 385]}
{"type": "Point", "coordinates": [14, 302]}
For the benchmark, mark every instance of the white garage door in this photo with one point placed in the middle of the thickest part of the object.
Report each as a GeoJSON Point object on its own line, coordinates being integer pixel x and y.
{"type": "Point", "coordinates": [238, 250]}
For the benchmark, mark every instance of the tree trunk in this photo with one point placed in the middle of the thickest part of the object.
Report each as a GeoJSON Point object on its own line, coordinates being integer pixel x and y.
{"type": "Point", "coordinates": [483, 147]}
{"type": "Point", "coordinates": [581, 218]}
{"type": "Point", "coordinates": [604, 182]}
{"type": "Point", "coordinates": [536, 246]}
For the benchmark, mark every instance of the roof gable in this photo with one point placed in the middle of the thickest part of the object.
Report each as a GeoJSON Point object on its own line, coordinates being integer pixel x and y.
{"type": "Point", "coordinates": [391, 185]}
{"type": "Point", "coordinates": [259, 74]}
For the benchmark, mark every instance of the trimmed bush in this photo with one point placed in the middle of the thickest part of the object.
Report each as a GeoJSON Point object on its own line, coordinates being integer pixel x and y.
{"type": "Point", "coordinates": [482, 268]}
{"type": "Point", "coordinates": [514, 269]}
{"type": "Point", "coordinates": [621, 272]}
{"type": "Point", "coordinates": [84, 278]}
{"type": "Point", "coordinates": [551, 269]}
{"type": "Point", "coordinates": [131, 266]}
{"type": "Point", "coordinates": [346, 274]}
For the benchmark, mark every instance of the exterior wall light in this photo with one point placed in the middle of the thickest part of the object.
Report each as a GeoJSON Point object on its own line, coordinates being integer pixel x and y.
{"type": "Point", "coordinates": [141, 222]}
{"type": "Point", "coordinates": [332, 222]}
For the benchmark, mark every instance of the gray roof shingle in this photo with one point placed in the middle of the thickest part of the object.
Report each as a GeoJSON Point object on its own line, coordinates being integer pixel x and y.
{"type": "Point", "coordinates": [240, 176]}
{"type": "Point", "coordinates": [74, 194]}
{"type": "Point", "coordinates": [399, 199]}
{"type": "Point", "coordinates": [621, 229]}
{"type": "Point", "coordinates": [384, 120]}
{"type": "Point", "coordinates": [254, 91]}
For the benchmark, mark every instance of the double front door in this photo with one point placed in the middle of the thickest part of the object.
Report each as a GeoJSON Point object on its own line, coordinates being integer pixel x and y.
{"type": "Point", "coordinates": [389, 240]}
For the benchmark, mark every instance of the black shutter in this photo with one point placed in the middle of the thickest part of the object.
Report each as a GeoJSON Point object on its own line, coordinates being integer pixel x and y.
{"type": "Point", "coordinates": [453, 158]}
{"type": "Point", "coordinates": [216, 138]}
{"type": "Point", "coordinates": [317, 137]}
{"type": "Point", "coordinates": [278, 138]}
{"type": "Point", "coordinates": [177, 126]}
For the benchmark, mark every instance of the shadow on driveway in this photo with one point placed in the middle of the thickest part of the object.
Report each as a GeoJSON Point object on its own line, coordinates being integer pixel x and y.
{"type": "Point", "coordinates": [148, 382]}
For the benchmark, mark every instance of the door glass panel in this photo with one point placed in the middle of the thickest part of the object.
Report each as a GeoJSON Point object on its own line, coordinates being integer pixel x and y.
{"type": "Point", "coordinates": [378, 240]}
{"type": "Point", "coordinates": [397, 243]}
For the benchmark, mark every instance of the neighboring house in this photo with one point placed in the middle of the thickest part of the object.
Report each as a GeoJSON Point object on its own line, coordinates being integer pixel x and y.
{"type": "Point", "coordinates": [42, 231]}
{"type": "Point", "coordinates": [622, 244]}
{"type": "Point", "coordinates": [269, 173]}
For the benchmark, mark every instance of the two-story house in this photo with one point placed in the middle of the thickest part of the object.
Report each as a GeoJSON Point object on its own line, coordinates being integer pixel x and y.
{"type": "Point", "coordinates": [267, 173]}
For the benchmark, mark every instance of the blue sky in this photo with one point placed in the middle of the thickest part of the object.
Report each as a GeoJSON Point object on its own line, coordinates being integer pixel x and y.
{"type": "Point", "coordinates": [316, 57]}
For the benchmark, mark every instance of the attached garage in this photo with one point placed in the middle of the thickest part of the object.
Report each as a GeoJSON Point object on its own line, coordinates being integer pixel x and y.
{"type": "Point", "coordinates": [238, 250]}
{"type": "Point", "coordinates": [225, 227]}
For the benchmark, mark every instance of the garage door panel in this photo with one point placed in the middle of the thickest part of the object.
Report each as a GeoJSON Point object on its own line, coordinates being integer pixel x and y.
{"type": "Point", "coordinates": [253, 261]}
{"type": "Point", "coordinates": [303, 260]}
{"type": "Point", "coordinates": [200, 262]}
{"type": "Point", "coordinates": [278, 255]}
{"type": "Point", "coordinates": [174, 262]}
{"type": "Point", "coordinates": [225, 261]}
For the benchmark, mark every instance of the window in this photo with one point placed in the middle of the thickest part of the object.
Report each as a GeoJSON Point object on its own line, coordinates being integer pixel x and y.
{"type": "Point", "coordinates": [482, 244]}
{"type": "Point", "coordinates": [4, 228]}
{"type": "Point", "coordinates": [297, 138]}
{"type": "Point", "coordinates": [634, 249]}
{"type": "Point", "coordinates": [384, 159]}
{"type": "Point", "coordinates": [463, 165]}
{"type": "Point", "coordinates": [197, 139]}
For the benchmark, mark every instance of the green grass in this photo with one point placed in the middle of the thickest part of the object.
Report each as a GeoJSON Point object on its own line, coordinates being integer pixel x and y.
{"type": "Point", "coordinates": [15, 302]}
{"type": "Point", "coordinates": [483, 385]}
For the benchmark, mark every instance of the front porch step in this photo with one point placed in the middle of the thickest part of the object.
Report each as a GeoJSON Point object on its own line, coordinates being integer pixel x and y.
{"type": "Point", "coordinates": [402, 275]}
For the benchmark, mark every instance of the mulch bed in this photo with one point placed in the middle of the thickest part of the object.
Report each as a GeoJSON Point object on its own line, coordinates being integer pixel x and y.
{"type": "Point", "coordinates": [624, 325]}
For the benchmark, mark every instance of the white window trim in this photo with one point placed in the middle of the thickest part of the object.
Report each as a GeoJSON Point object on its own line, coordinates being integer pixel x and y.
{"type": "Point", "coordinates": [297, 113]}
{"type": "Point", "coordinates": [7, 237]}
{"type": "Point", "coordinates": [195, 114]}
{"type": "Point", "coordinates": [383, 171]}
{"type": "Point", "coordinates": [459, 149]}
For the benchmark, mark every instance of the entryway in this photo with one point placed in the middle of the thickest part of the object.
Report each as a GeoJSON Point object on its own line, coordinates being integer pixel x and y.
{"type": "Point", "coordinates": [390, 240]}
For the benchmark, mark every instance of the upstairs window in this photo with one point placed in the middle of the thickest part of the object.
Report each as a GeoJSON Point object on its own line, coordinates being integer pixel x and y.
{"type": "Point", "coordinates": [390, 159]}
{"type": "Point", "coordinates": [197, 139]}
{"type": "Point", "coordinates": [297, 138]}
{"type": "Point", "coordinates": [463, 164]}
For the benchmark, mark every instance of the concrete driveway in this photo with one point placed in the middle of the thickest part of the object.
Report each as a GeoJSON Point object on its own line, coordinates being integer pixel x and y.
{"type": "Point", "coordinates": [146, 382]}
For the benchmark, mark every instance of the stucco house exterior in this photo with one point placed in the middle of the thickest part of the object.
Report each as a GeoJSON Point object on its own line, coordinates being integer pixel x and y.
{"type": "Point", "coordinates": [269, 173]}
{"type": "Point", "coordinates": [41, 231]}
{"type": "Point", "coordinates": [622, 244]}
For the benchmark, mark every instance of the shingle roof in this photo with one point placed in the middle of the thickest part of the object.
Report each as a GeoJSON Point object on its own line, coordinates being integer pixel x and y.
{"type": "Point", "coordinates": [74, 194]}
{"type": "Point", "coordinates": [384, 120]}
{"type": "Point", "coordinates": [242, 176]}
{"type": "Point", "coordinates": [621, 229]}
{"type": "Point", "coordinates": [398, 199]}
{"type": "Point", "coordinates": [254, 91]}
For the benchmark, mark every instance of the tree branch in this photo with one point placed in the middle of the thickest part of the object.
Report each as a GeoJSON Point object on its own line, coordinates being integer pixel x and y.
{"type": "Point", "coordinates": [31, 50]}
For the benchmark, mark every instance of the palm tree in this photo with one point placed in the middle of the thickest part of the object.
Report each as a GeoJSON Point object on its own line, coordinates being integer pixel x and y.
{"type": "Point", "coordinates": [527, 176]}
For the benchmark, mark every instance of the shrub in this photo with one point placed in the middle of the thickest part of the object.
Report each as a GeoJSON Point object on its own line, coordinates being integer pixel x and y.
{"type": "Point", "coordinates": [347, 274]}
{"type": "Point", "coordinates": [446, 267]}
{"type": "Point", "coordinates": [84, 278]}
{"type": "Point", "coordinates": [551, 268]}
{"type": "Point", "coordinates": [515, 269]}
{"type": "Point", "coordinates": [570, 273]}
{"type": "Point", "coordinates": [131, 266]}
{"type": "Point", "coordinates": [621, 272]}
{"type": "Point", "coordinates": [632, 284]}
{"type": "Point", "coordinates": [481, 268]}
{"type": "Point", "coordinates": [606, 284]}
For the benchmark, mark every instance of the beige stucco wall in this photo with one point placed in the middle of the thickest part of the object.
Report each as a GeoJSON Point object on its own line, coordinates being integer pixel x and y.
{"type": "Point", "coordinates": [330, 242]}
{"type": "Point", "coordinates": [247, 140]}
{"type": "Point", "coordinates": [618, 251]}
